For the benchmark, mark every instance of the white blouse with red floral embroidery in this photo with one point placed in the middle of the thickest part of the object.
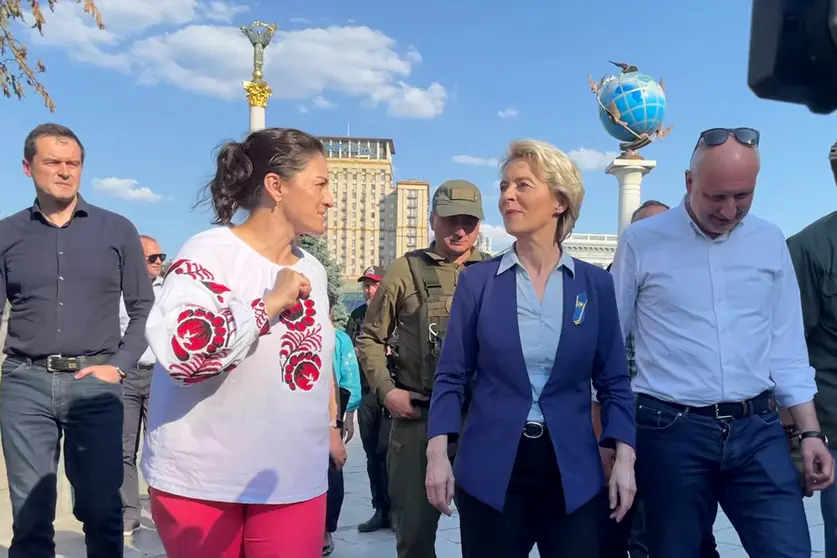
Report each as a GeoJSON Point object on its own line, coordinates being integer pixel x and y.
{"type": "Point", "coordinates": [238, 409]}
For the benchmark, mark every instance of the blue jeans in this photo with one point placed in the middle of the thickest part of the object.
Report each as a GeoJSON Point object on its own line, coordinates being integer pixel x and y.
{"type": "Point", "coordinates": [37, 408]}
{"type": "Point", "coordinates": [828, 505]}
{"type": "Point", "coordinates": [687, 464]}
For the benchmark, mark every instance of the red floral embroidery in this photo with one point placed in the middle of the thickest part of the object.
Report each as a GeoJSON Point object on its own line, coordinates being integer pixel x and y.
{"type": "Point", "coordinates": [200, 274]}
{"type": "Point", "coordinates": [194, 270]}
{"type": "Point", "coordinates": [200, 343]}
{"type": "Point", "coordinates": [303, 370]}
{"type": "Point", "coordinates": [301, 345]}
{"type": "Point", "coordinates": [300, 316]}
{"type": "Point", "coordinates": [261, 316]}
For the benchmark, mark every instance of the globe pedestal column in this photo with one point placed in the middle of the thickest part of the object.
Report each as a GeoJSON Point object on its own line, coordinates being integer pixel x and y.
{"type": "Point", "coordinates": [629, 172]}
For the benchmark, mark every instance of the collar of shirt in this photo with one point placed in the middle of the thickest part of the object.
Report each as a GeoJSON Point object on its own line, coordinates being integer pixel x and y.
{"type": "Point", "coordinates": [82, 208]}
{"type": "Point", "coordinates": [510, 260]}
{"type": "Point", "coordinates": [684, 212]}
{"type": "Point", "coordinates": [475, 256]}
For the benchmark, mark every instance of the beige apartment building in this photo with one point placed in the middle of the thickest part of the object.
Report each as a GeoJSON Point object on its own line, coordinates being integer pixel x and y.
{"type": "Point", "coordinates": [373, 221]}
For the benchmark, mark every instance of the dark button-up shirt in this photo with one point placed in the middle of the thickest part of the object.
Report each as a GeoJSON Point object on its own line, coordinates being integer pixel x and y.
{"type": "Point", "coordinates": [814, 254]}
{"type": "Point", "coordinates": [64, 285]}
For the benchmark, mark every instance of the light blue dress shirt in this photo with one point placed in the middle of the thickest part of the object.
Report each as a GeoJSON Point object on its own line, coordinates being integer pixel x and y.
{"type": "Point", "coordinates": [540, 322]}
{"type": "Point", "coordinates": [714, 319]}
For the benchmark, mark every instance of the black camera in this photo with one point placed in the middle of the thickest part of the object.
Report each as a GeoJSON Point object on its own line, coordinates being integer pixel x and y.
{"type": "Point", "coordinates": [793, 52]}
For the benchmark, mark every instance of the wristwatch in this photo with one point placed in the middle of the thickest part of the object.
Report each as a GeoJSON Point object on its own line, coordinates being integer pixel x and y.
{"type": "Point", "coordinates": [813, 434]}
{"type": "Point", "coordinates": [338, 424]}
{"type": "Point", "coordinates": [122, 374]}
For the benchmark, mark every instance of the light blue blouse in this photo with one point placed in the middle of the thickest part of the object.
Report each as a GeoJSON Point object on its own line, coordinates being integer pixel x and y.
{"type": "Point", "coordinates": [540, 323]}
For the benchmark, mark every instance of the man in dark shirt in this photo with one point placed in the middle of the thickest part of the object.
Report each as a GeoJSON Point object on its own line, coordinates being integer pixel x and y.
{"type": "Point", "coordinates": [814, 254]}
{"type": "Point", "coordinates": [373, 423]}
{"type": "Point", "coordinates": [64, 264]}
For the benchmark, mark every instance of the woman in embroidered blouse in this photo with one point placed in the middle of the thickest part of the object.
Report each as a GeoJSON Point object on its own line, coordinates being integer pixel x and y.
{"type": "Point", "coordinates": [239, 438]}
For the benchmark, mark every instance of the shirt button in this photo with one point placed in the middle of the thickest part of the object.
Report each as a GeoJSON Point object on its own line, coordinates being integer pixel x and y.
{"type": "Point", "coordinates": [60, 304]}
{"type": "Point", "coordinates": [60, 278]}
{"type": "Point", "coordinates": [60, 253]}
{"type": "Point", "coordinates": [59, 331]}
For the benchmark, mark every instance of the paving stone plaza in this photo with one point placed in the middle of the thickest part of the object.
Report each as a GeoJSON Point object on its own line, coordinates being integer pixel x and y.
{"type": "Point", "coordinates": [348, 542]}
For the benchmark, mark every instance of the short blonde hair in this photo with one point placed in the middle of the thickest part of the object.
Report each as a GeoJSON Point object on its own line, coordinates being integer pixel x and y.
{"type": "Point", "coordinates": [556, 169]}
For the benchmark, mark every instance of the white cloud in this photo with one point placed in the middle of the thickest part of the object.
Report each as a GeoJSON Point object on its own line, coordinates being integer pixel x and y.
{"type": "Point", "coordinates": [508, 113]}
{"type": "Point", "coordinates": [591, 159]}
{"type": "Point", "coordinates": [125, 189]}
{"type": "Point", "coordinates": [176, 42]}
{"type": "Point", "coordinates": [500, 239]}
{"type": "Point", "coordinates": [322, 103]}
{"type": "Point", "coordinates": [221, 11]}
{"type": "Point", "coordinates": [475, 161]}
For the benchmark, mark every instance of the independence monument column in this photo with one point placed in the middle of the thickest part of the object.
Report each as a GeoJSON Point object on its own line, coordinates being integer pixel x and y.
{"type": "Point", "coordinates": [258, 91]}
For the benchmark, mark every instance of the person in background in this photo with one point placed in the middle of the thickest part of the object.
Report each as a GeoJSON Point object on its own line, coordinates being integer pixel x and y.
{"type": "Point", "coordinates": [64, 265]}
{"type": "Point", "coordinates": [135, 390]}
{"type": "Point", "coordinates": [529, 330]}
{"type": "Point", "coordinates": [627, 538]}
{"type": "Point", "coordinates": [813, 252]}
{"type": "Point", "coordinates": [414, 299]}
{"type": "Point", "coordinates": [243, 412]}
{"type": "Point", "coordinates": [710, 294]}
{"type": "Point", "coordinates": [374, 423]}
{"type": "Point", "coordinates": [347, 376]}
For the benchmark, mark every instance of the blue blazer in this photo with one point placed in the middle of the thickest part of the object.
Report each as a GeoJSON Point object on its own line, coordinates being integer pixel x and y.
{"type": "Point", "coordinates": [483, 339]}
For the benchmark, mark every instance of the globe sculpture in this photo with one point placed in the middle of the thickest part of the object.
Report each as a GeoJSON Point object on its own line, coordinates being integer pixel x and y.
{"type": "Point", "coordinates": [632, 107]}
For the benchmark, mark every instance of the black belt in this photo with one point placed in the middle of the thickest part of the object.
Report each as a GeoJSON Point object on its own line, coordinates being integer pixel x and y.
{"type": "Point", "coordinates": [59, 363]}
{"type": "Point", "coordinates": [143, 366]}
{"type": "Point", "coordinates": [758, 405]}
{"type": "Point", "coordinates": [533, 430]}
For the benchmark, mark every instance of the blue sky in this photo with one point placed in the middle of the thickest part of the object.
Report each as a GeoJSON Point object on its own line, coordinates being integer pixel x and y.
{"type": "Point", "coordinates": [153, 95]}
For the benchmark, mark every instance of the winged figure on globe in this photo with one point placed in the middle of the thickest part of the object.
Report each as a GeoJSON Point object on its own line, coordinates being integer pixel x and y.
{"type": "Point", "coordinates": [632, 106]}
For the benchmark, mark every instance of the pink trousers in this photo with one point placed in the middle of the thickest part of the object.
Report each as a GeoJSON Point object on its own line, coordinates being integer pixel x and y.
{"type": "Point", "coordinates": [192, 528]}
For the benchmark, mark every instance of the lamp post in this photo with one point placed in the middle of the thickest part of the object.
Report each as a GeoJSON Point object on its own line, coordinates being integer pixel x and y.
{"type": "Point", "coordinates": [258, 91]}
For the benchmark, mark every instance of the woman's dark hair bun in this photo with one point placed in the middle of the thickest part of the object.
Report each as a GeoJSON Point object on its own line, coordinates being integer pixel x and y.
{"type": "Point", "coordinates": [242, 166]}
{"type": "Point", "coordinates": [234, 170]}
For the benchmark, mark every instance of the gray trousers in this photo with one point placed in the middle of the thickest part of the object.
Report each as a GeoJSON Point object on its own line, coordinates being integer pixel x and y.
{"type": "Point", "coordinates": [135, 390]}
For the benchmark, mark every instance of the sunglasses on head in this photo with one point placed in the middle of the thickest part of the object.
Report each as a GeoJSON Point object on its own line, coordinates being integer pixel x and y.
{"type": "Point", "coordinates": [154, 258]}
{"type": "Point", "coordinates": [714, 137]}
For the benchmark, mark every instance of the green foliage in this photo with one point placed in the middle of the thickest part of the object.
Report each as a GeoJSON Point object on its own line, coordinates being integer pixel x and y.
{"type": "Point", "coordinates": [317, 247]}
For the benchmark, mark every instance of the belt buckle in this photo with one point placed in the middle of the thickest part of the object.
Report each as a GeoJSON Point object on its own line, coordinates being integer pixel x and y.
{"type": "Point", "coordinates": [538, 430]}
{"type": "Point", "coordinates": [744, 407]}
{"type": "Point", "coordinates": [49, 363]}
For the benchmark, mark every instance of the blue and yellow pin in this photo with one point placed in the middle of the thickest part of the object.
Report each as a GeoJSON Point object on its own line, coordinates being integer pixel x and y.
{"type": "Point", "coordinates": [580, 307]}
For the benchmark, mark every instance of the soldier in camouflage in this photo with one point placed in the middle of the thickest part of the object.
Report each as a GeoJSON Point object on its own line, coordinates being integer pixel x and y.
{"type": "Point", "coordinates": [415, 295]}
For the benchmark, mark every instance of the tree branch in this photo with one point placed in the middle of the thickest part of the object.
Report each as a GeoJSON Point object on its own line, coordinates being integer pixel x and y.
{"type": "Point", "coordinates": [15, 82]}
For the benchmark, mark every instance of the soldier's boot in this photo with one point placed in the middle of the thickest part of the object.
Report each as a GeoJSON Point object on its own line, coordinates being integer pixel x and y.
{"type": "Point", "coordinates": [378, 521]}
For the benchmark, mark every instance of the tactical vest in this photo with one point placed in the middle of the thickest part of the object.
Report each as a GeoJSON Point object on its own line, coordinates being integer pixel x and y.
{"type": "Point", "coordinates": [434, 310]}
{"type": "Point", "coordinates": [434, 315]}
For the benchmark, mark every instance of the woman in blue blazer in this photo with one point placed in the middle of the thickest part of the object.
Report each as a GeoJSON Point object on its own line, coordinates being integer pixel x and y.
{"type": "Point", "coordinates": [528, 332]}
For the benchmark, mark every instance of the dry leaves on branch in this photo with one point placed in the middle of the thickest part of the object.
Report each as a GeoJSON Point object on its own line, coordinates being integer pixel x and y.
{"type": "Point", "coordinates": [16, 70]}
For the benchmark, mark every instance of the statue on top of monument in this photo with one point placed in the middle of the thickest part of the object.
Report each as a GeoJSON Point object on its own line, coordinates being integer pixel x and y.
{"type": "Point", "coordinates": [260, 35]}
